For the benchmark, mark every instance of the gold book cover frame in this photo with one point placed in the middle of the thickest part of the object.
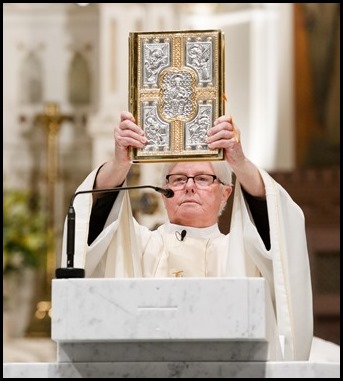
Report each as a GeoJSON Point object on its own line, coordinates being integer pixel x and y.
{"type": "Point", "coordinates": [176, 91]}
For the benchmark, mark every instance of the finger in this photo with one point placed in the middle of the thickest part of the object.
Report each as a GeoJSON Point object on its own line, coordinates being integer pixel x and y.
{"type": "Point", "coordinates": [222, 143]}
{"type": "Point", "coordinates": [128, 133]}
{"type": "Point", "coordinates": [224, 138]}
{"type": "Point", "coordinates": [225, 125]}
{"type": "Point", "coordinates": [129, 129]}
{"type": "Point", "coordinates": [217, 134]}
{"type": "Point", "coordinates": [235, 132]}
{"type": "Point", "coordinates": [223, 118]}
{"type": "Point", "coordinates": [222, 125]}
{"type": "Point", "coordinates": [220, 128]}
{"type": "Point", "coordinates": [132, 140]}
{"type": "Point", "coordinates": [129, 125]}
{"type": "Point", "coordinates": [126, 115]}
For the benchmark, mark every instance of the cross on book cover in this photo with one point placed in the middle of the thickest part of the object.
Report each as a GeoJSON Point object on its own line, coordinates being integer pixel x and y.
{"type": "Point", "coordinates": [176, 91]}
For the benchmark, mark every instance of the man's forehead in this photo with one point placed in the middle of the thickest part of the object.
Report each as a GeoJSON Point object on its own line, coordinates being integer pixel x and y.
{"type": "Point", "coordinates": [192, 167]}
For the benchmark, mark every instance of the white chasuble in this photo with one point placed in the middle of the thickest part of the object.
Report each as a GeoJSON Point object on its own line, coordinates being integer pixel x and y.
{"type": "Point", "coordinates": [195, 255]}
{"type": "Point", "coordinates": [126, 249]}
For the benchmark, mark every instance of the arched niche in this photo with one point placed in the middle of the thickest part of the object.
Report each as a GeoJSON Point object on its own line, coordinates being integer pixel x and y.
{"type": "Point", "coordinates": [31, 80]}
{"type": "Point", "coordinates": [79, 81]}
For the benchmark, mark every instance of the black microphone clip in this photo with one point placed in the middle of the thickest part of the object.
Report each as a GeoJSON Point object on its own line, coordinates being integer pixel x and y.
{"type": "Point", "coordinates": [181, 236]}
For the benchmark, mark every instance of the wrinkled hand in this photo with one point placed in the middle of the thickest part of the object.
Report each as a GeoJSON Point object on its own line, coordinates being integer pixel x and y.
{"type": "Point", "coordinates": [224, 134]}
{"type": "Point", "coordinates": [127, 134]}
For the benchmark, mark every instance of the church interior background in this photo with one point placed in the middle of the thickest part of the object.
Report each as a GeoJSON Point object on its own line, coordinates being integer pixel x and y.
{"type": "Point", "coordinates": [65, 82]}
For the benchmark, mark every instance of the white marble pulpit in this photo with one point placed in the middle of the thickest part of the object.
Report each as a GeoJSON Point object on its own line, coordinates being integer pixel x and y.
{"type": "Point", "coordinates": [177, 319]}
{"type": "Point", "coordinates": [173, 327]}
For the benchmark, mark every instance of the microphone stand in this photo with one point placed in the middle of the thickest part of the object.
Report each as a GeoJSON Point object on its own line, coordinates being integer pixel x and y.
{"type": "Point", "coordinates": [70, 271]}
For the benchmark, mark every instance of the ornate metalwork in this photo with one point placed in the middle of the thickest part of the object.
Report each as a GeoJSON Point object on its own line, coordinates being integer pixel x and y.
{"type": "Point", "coordinates": [176, 91]}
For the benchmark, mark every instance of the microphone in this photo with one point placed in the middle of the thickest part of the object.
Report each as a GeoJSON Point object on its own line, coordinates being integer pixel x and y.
{"type": "Point", "coordinates": [70, 271]}
{"type": "Point", "coordinates": [180, 236]}
{"type": "Point", "coordinates": [183, 234]}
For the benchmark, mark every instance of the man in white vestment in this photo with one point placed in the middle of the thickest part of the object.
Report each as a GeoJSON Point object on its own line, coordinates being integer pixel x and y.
{"type": "Point", "coordinates": [267, 234]}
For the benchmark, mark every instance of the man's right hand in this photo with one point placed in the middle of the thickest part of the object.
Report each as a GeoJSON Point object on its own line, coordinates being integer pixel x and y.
{"type": "Point", "coordinates": [127, 134]}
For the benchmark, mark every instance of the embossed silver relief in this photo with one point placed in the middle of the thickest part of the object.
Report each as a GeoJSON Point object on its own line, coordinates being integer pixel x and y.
{"type": "Point", "coordinates": [175, 91]}
{"type": "Point", "coordinates": [156, 131]}
{"type": "Point", "coordinates": [156, 57]}
{"type": "Point", "coordinates": [199, 57]}
{"type": "Point", "coordinates": [196, 129]}
{"type": "Point", "coordinates": [178, 92]}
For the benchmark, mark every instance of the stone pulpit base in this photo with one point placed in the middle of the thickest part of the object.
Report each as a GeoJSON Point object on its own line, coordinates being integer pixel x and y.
{"type": "Point", "coordinates": [168, 328]}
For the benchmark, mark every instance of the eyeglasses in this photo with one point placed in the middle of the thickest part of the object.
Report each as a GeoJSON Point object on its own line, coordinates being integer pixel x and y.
{"type": "Point", "coordinates": [177, 181]}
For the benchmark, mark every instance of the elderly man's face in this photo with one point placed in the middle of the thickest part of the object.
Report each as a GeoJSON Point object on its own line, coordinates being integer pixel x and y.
{"type": "Point", "coordinates": [194, 205]}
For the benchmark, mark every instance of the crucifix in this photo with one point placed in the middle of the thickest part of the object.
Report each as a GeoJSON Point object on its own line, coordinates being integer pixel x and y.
{"type": "Point", "coordinates": [51, 120]}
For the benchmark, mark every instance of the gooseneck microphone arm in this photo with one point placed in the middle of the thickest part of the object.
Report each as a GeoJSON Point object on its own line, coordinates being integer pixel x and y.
{"type": "Point", "coordinates": [70, 271]}
{"type": "Point", "coordinates": [166, 192]}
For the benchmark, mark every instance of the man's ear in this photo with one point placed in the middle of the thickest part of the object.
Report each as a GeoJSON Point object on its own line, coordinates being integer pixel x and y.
{"type": "Point", "coordinates": [226, 192]}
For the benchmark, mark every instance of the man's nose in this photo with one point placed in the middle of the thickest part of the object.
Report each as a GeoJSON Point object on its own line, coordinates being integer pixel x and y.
{"type": "Point", "coordinates": [190, 184]}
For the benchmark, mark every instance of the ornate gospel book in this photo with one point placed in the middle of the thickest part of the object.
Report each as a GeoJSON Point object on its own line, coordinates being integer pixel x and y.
{"type": "Point", "coordinates": [176, 91]}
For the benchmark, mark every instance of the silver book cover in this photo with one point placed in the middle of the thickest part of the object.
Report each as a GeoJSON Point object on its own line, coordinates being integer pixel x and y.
{"type": "Point", "coordinates": [176, 91]}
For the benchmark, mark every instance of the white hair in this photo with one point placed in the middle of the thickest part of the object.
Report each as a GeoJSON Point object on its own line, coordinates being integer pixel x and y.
{"type": "Point", "coordinates": [221, 170]}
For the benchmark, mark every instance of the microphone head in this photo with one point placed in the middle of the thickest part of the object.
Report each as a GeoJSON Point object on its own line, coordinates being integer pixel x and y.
{"type": "Point", "coordinates": [168, 193]}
